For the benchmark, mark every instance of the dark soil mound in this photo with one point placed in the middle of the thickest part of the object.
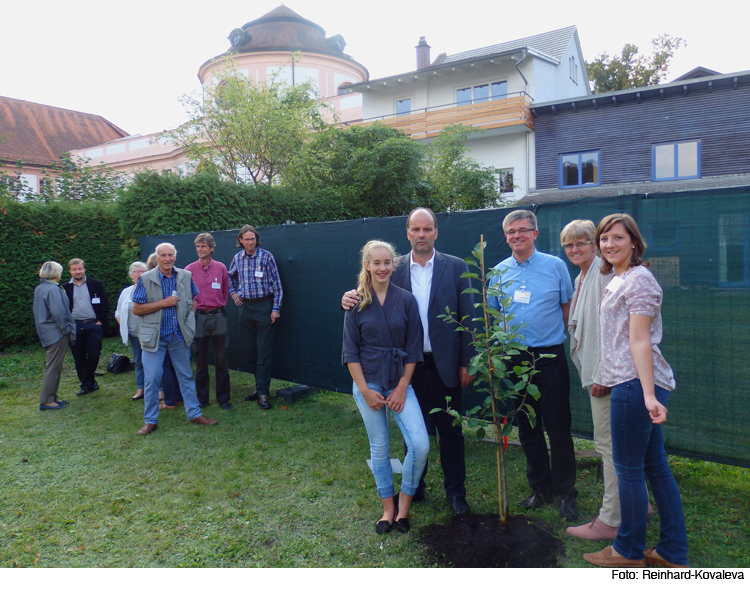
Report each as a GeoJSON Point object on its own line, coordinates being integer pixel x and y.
{"type": "Point", "coordinates": [480, 541]}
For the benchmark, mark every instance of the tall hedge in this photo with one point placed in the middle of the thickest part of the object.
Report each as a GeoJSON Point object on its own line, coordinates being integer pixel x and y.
{"type": "Point", "coordinates": [31, 234]}
{"type": "Point", "coordinates": [158, 203]}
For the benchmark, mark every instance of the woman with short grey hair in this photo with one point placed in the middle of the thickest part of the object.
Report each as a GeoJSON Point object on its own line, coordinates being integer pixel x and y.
{"type": "Point", "coordinates": [56, 329]}
{"type": "Point", "coordinates": [129, 324]}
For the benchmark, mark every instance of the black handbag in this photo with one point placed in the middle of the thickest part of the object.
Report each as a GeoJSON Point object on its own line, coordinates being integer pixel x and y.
{"type": "Point", "coordinates": [118, 364]}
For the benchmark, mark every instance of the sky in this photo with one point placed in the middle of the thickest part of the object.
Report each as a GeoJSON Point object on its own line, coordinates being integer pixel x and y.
{"type": "Point", "coordinates": [132, 62]}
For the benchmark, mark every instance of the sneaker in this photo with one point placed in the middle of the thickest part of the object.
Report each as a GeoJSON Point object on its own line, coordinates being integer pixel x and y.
{"type": "Point", "coordinates": [536, 501]}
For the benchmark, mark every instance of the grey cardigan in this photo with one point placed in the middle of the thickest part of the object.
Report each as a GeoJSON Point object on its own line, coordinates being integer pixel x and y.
{"type": "Point", "coordinates": [52, 313]}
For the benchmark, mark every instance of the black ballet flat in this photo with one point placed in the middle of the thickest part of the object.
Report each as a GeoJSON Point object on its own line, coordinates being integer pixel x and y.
{"type": "Point", "coordinates": [402, 525]}
{"type": "Point", "coordinates": [383, 526]}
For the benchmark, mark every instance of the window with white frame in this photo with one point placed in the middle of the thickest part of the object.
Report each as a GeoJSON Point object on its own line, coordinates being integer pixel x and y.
{"type": "Point", "coordinates": [579, 169]}
{"type": "Point", "coordinates": [480, 93]}
{"type": "Point", "coordinates": [403, 106]}
{"type": "Point", "coordinates": [506, 180]}
{"type": "Point", "coordinates": [673, 161]}
{"type": "Point", "coordinates": [573, 68]}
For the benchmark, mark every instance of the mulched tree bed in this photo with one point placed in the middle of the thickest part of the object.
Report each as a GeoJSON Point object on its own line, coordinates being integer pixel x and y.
{"type": "Point", "coordinates": [479, 541]}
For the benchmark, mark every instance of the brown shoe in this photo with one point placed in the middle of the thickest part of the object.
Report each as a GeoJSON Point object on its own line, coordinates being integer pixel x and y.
{"type": "Point", "coordinates": [205, 421]}
{"type": "Point", "coordinates": [595, 530]}
{"type": "Point", "coordinates": [608, 557]}
{"type": "Point", "coordinates": [147, 429]}
{"type": "Point", "coordinates": [654, 558]}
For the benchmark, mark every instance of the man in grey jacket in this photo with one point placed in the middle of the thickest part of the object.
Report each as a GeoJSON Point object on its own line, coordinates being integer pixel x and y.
{"type": "Point", "coordinates": [164, 301]}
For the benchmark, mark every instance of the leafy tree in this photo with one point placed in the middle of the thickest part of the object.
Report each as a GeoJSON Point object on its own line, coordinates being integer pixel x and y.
{"type": "Point", "coordinates": [457, 181]}
{"type": "Point", "coordinates": [376, 170]}
{"type": "Point", "coordinates": [630, 69]}
{"type": "Point", "coordinates": [244, 127]}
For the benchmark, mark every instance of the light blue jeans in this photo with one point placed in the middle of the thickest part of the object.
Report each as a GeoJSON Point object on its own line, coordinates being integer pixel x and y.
{"type": "Point", "coordinates": [153, 368]}
{"type": "Point", "coordinates": [411, 424]}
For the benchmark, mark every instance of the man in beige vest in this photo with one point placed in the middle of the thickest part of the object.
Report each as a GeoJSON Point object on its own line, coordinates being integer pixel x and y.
{"type": "Point", "coordinates": [164, 301]}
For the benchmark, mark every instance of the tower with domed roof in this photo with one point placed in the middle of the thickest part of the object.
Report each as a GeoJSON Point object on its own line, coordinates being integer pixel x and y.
{"type": "Point", "coordinates": [294, 49]}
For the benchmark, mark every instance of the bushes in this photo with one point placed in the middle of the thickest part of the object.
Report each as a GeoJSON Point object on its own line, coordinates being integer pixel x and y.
{"type": "Point", "coordinates": [31, 233]}
{"type": "Point", "coordinates": [157, 204]}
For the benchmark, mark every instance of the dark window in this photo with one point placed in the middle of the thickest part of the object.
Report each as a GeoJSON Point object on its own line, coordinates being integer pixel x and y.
{"type": "Point", "coordinates": [579, 169]}
{"type": "Point", "coordinates": [506, 180]}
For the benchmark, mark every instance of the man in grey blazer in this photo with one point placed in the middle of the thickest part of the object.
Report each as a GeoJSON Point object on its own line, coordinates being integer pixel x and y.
{"type": "Point", "coordinates": [435, 280]}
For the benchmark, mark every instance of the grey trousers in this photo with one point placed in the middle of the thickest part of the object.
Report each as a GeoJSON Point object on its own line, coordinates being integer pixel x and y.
{"type": "Point", "coordinates": [51, 378]}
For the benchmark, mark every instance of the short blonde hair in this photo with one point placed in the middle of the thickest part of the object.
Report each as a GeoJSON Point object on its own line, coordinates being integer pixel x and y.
{"type": "Point", "coordinates": [50, 270]}
{"type": "Point", "coordinates": [578, 228]}
{"type": "Point", "coordinates": [151, 261]}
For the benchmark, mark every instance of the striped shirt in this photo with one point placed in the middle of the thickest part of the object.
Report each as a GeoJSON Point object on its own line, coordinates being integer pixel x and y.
{"type": "Point", "coordinates": [170, 327]}
{"type": "Point", "coordinates": [256, 276]}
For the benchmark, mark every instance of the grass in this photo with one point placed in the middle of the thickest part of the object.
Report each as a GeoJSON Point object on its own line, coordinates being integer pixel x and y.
{"type": "Point", "coordinates": [281, 488]}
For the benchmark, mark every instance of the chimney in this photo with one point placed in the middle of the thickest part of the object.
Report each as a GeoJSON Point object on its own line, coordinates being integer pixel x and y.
{"type": "Point", "coordinates": [423, 54]}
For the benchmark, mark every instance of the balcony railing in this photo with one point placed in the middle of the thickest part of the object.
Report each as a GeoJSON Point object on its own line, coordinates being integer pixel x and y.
{"type": "Point", "coordinates": [425, 123]}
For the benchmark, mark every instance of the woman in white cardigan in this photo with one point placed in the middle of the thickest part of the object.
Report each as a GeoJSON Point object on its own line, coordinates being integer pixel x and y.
{"type": "Point", "coordinates": [129, 324]}
{"type": "Point", "coordinates": [583, 324]}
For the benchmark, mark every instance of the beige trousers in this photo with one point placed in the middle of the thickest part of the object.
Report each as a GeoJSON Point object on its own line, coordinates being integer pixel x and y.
{"type": "Point", "coordinates": [51, 378]}
{"type": "Point", "coordinates": [610, 509]}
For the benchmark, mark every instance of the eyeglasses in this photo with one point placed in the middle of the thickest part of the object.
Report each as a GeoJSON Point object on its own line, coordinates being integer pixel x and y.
{"type": "Point", "coordinates": [518, 231]}
{"type": "Point", "coordinates": [578, 245]}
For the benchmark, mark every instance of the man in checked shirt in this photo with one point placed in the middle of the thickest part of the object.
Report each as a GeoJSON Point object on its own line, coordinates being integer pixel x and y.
{"type": "Point", "coordinates": [256, 290]}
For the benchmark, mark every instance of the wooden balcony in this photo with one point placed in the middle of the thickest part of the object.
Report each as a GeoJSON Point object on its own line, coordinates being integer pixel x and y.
{"type": "Point", "coordinates": [426, 123]}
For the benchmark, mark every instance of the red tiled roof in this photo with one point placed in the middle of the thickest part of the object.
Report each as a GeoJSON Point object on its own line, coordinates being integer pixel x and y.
{"type": "Point", "coordinates": [39, 134]}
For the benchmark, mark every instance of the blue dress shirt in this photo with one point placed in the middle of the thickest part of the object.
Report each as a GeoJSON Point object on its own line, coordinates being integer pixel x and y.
{"type": "Point", "coordinates": [547, 280]}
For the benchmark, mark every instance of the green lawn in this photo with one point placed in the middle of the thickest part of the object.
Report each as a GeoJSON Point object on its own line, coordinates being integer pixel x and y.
{"type": "Point", "coordinates": [280, 488]}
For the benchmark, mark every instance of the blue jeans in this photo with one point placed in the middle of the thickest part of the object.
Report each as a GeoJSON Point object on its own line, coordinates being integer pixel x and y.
{"type": "Point", "coordinates": [153, 367]}
{"type": "Point", "coordinates": [638, 448]}
{"type": "Point", "coordinates": [411, 424]}
{"type": "Point", "coordinates": [135, 345]}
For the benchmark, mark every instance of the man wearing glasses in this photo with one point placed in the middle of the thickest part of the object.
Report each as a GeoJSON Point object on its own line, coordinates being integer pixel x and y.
{"type": "Point", "coordinates": [540, 292]}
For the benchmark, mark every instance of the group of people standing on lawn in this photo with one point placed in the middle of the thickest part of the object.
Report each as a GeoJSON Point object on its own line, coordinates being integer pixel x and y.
{"type": "Point", "coordinates": [405, 360]}
{"type": "Point", "coordinates": [165, 312]}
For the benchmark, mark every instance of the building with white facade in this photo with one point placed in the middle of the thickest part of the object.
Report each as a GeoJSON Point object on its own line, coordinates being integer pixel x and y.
{"type": "Point", "coordinates": [491, 89]}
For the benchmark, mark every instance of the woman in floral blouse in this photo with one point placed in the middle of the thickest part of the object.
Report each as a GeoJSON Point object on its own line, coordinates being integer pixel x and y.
{"type": "Point", "coordinates": [641, 381]}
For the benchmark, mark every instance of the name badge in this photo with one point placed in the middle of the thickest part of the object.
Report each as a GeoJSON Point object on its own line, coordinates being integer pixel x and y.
{"type": "Point", "coordinates": [96, 301]}
{"type": "Point", "coordinates": [216, 286]}
{"type": "Point", "coordinates": [615, 284]}
{"type": "Point", "coordinates": [258, 274]}
{"type": "Point", "coordinates": [522, 296]}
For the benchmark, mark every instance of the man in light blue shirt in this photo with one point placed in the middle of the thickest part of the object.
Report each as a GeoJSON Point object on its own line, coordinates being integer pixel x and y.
{"type": "Point", "coordinates": [541, 291]}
